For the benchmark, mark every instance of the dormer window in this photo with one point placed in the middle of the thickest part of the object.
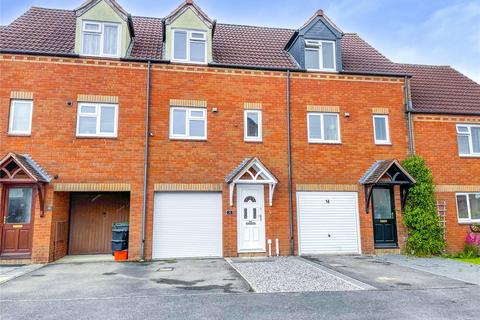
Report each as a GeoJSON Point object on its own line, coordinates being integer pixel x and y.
{"type": "Point", "coordinates": [320, 55]}
{"type": "Point", "coordinates": [101, 39]}
{"type": "Point", "coordinates": [189, 46]}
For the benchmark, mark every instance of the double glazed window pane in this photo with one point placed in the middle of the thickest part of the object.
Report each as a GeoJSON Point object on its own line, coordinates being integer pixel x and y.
{"type": "Point", "coordinates": [110, 45]}
{"type": "Point", "coordinates": [107, 119]}
{"type": "Point", "coordinates": [87, 125]}
{"type": "Point", "coordinates": [476, 139]}
{"type": "Point", "coordinates": [19, 205]}
{"type": "Point", "coordinates": [197, 128]}
{"type": "Point", "coordinates": [312, 60]}
{"type": "Point", "coordinates": [380, 129]}
{"type": "Point", "coordinates": [462, 207]}
{"type": "Point", "coordinates": [474, 206]}
{"type": "Point", "coordinates": [252, 124]}
{"type": "Point", "coordinates": [315, 124]}
{"type": "Point", "coordinates": [21, 115]}
{"type": "Point", "coordinates": [463, 144]}
{"type": "Point", "coordinates": [179, 122]}
{"type": "Point", "coordinates": [331, 127]}
{"type": "Point", "coordinates": [180, 45]}
{"type": "Point", "coordinates": [91, 43]}
{"type": "Point", "coordinates": [327, 53]}
{"type": "Point", "coordinates": [197, 51]}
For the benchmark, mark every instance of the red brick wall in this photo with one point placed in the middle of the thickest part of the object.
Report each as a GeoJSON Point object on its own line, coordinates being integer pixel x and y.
{"type": "Point", "coordinates": [53, 144]}
{"type": "Point", "coordinates": [436, 141]}
{"type": "Point", "coordinates": [347, 162]}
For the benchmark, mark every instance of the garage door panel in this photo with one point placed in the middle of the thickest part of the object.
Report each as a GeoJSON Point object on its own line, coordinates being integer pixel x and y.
{"type": "Point", "coordinates": [187, 224]}
{"type": "Point", "coordinates": [328, 222]}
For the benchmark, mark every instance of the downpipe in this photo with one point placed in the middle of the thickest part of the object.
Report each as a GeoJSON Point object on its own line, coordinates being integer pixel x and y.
{"type": "Point", "coordinates": [290, 183]}
{"type": "Point", "coordinates": [408, 110]}
{"type": "Point", "coordinates": [145, 163]}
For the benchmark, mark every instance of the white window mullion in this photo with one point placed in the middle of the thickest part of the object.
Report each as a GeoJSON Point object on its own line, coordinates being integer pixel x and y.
{"type": "Point", "coordinates": [468, 206]}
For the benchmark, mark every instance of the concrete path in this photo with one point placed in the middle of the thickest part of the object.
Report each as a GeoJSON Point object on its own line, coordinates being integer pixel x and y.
{"type": "Point", "coordinates": [10, 272]}
{"type": "Point", "coordinates": [452, 269]}
{"type": "Point", "coordinates": [382, 274]}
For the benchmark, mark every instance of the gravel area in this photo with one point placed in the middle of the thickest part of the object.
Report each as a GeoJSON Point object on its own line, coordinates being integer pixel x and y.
{"type": "Point", "coordinates": [288, 274]}
{"type": "Point", "coordinates": [452, 269]}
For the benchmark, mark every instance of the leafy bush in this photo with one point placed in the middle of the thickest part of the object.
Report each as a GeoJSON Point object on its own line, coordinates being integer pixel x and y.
{"type": "Point", "coordinates": [472, 246]}
{"type": "Point", "coordinates": [425, 234]}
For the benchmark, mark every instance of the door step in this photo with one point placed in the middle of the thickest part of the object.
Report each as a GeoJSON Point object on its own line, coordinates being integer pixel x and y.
{"type": "Point", "coordinates": [383, 251]}
{"type": "Point", "coordinates": [15, 261]}
{"type": "Point", "coordinates": [252, 254]}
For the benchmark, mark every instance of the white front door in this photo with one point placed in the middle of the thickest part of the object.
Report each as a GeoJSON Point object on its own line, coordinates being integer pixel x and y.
{"type": "Point", "coordinates": [250, 218]}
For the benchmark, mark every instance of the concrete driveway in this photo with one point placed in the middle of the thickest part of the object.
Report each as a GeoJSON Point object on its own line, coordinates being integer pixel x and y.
{"type": "Point", "coordinates": [385, 275]}
{"type": "Point", "coordinates": [110, 279]}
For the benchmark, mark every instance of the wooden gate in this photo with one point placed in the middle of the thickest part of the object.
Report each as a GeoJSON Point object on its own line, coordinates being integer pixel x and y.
{"type": "Point", "coordinates": [91, 219]}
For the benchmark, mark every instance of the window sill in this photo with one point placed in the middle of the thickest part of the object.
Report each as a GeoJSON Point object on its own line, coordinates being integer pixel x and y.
{"type": "Point", "coordinates": [383, 144]}
{"type": "Point", "coordinates": [188, 62]}
{"type": "Point", "coordinates": [323, 70]}
{"type": "Point", "coordinates": [466, 156]}
{"type": "Point", "coordinates": [325, 142]}
{"type": "Point", "coordinates": [188, 139]}
{"type": "Point", "coordinates": [469, 222]}
{"type": "Point", "coordinates": [19, 134]}
{"type": "Point", "coordinates": [96, 137]}
{"type": "Point", "coordinates": [252, 141]}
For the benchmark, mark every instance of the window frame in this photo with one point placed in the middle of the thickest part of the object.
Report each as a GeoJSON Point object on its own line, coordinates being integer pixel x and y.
{"type": "Point", "coordinates": [322, 128]}
{"type": "Point", "coordinates": [188, 117]}
{"type": "Point", "coordinates": [468, 220]}
{"type": "Point", "coordinates": [189, 40]}
{"type": "Point", "coordinates": [387, 128]}
{"type": "Point", "coordinates": [246, 137]}
{"type": "Point", "coordinates": [102, 33]}
{"type": "Point", "coordinates": [470, 139]}
{"type": "Point", "coordinates": [97, 116]}
{"type": "Point", "coordinates": [11, 118]}
{"type": "Point", "coordinates": [309, 43]}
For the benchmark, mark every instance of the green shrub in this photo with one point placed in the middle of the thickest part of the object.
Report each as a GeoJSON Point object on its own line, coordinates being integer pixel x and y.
{"type": "Point", "coordinates": [425, 234]}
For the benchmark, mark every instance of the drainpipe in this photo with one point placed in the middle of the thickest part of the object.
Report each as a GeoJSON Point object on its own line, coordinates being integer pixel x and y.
{"type": "Point", "coordinates": [290, 183]}
{"type": "Point", "coordinates": [145, 163]}
{"type": "Point", "coordinates": [408, 110]}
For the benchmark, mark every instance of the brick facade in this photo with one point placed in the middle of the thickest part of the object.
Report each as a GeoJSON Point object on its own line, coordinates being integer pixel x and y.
{"type": "Point", "coordinates": [119, 161]}
{"type": "Point", "coordinates": [436, 141]}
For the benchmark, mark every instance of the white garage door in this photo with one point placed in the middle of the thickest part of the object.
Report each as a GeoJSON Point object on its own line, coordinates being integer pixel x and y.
{"type": "Point", "coordinates": [187, 224]}
{"type": "Point", "coordinates": [328, 222]}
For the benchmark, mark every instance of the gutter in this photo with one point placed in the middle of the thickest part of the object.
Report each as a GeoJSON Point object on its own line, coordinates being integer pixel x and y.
{"type": "Point", "coordinates": [372, 73]}
{"type": "Point", "coordinates": [250, 67]}
{"type": "Point", "coordinates": [145, 163]}
{"type": "Point", "coordinates": [290, 182]}
{"type": "Point", "coordinates": [40, 53]}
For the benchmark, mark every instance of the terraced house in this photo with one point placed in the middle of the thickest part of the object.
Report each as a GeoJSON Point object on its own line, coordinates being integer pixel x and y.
{"type": "Point", "coordinates": [215, 139]}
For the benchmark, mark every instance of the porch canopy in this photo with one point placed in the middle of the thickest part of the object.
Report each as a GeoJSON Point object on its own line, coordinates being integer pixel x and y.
{"type": "Point", "coordinates": [386, 173]}
{"type": "Point", "coordinates": [22, 169]}
{"type": "Point", "coordinates": [251, 171]}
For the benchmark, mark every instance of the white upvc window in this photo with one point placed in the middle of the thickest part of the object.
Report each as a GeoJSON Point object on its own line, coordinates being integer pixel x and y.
{"type": "Point", "coordinates": [97, 120]}
{"type": "Point", "coordinates": [20, 121]}
{"type": "Point", "coordinates": [381, 129]}
{"type": "Point", "coordinates": [189, 46]}
{"type": "Point", "coordinates": [253, 125]}
{"type": "Point", "coordinates": [320, 55]}
{"type": "Point", "coordinates": [323, 127]}
{"type": "Point", "coordinates": [468, 207]}
{"type": "Point", "coordinates": [468, 136]}
{"type": "Point", "coordinates": [188, 123]}
{"type": "Point", "coordinates": [101, 39]}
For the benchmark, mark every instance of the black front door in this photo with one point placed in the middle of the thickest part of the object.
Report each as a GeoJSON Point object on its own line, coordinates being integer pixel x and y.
{"type": "Point", "coordinates": [384, 220]}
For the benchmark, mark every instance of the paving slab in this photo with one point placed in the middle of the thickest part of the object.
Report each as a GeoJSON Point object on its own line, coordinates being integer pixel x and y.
{"type": "Point", "coordinates": [102, 280]}
{"type": "Point", "coordinates": [384, 275]}
{"type": "Point", "coordinates": [449, 268]}
{"type": "Point", "coordinates": [288, 274]}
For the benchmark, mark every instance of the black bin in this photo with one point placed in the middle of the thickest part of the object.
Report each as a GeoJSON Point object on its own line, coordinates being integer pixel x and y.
{"type": "Point", "coordinates": [119, 236]}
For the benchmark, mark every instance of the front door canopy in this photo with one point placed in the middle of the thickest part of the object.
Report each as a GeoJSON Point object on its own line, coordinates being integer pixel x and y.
{"type": "Point", "coordinates": [386, 173]}
{"type": "Point", "coordinates": [251, 171]}
{"type": "Point", "coordinates": [21, 168]}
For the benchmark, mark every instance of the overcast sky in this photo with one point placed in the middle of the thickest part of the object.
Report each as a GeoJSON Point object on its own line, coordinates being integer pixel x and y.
{"type": "Point", "coordinates": [444, 32]}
